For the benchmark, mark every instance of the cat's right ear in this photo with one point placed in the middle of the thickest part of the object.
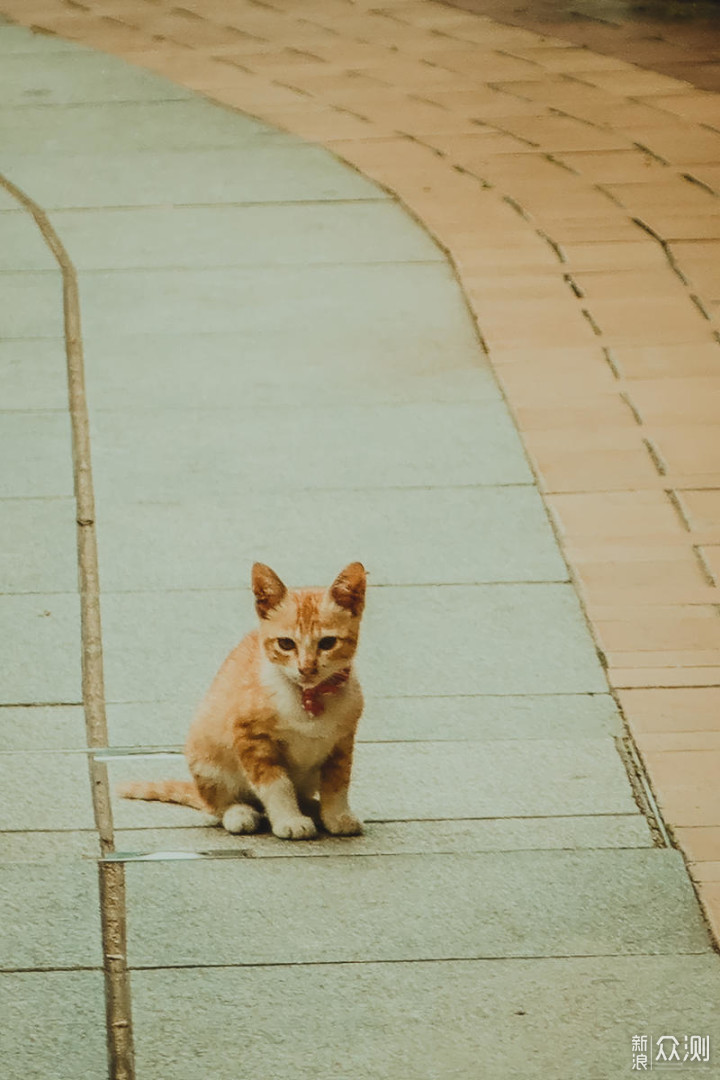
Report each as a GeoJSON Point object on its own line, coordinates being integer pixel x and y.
{"type": "Point", "coordinates": [268, 588]}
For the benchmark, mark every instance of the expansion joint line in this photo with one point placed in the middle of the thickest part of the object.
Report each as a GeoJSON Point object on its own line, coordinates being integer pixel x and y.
{"type": "Point", "coordinates": [112, 875]}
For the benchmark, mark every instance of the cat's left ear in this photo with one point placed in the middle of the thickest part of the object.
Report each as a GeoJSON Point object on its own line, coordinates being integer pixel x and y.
{"type": "Point", "coordinates": [268, 588]}
{"type": "Point", "coordinates": [348, 588]}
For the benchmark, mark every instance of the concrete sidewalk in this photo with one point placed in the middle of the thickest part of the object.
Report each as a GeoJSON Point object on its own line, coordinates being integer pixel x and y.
{"type": "Point", "coordinates": [280, 365]}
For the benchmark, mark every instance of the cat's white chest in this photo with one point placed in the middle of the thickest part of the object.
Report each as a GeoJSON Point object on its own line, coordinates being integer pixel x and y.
{"type": "Point", "coordinates": [308, 740]}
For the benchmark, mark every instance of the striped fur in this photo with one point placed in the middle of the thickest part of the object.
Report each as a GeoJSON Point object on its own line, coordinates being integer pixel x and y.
{"type": "Point", "coordinates": [253, 747]}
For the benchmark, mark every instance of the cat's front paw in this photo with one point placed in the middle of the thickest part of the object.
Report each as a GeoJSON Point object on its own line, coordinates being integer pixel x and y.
{"type": "Point", "coordinates": [342, 824]}
{"type": "Point", "coordinates": [295, 828]}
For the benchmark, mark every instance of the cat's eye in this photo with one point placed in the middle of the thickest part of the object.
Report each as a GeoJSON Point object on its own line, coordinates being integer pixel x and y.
{"type": "Point", "coordinates": [286, 643]}
{"type": "Point", "coordinates": [327, 642]}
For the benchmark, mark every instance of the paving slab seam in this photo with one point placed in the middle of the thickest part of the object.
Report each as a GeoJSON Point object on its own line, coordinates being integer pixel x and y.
{"type": "Point", "coordinates": [587, 313]}
{"type": "Point", "coordinates": [370, 961]}
{"type": "Point", "coordinates": [111, 878]}
{"type": "Point", "coordinates": [642, 788]}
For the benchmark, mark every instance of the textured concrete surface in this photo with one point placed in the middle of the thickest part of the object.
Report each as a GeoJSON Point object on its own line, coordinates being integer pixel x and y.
{"type": "Point", "coordinates": [531, 640]}
{"type": "Point", "coordinates": [282, 173]}
{"type": "Point", "coordinates": [61, 792]}
{"type": "Point", "coordinates": [50, 916]}
{"type": "Point", "coordinates": [33, 374]}
{"type": "Point", "coordinates": [36, 537]}
{"type": "Point", "coordinates": [421, 521]}
{"type": "Point", "coordinates": [411, 908]}
{"type": "Point", "coordinates": [42, 727]}
{"type": "Point", "coordinates": [38, 446]}
{"type": "Point", "coordinates": [42, 648]}
{"type": "Point", "coordinates": [301, 380]}
{"type": "Point", "coordinates": [560, 1018]}
{"type": "Point", "coordinates": [392, 719]}
{"type": "Point", "coordinates": [282, 234]}
{"type": "Point", "coordinates": [391, 838]}
{"type": "Point", "coordinates": [53, 1025]}
{"type": "Point", "coordinates": [439, 780]}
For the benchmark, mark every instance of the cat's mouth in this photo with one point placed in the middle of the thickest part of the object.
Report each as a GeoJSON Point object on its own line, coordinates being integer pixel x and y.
{"type": "Point", "coordinates": [309, 684]}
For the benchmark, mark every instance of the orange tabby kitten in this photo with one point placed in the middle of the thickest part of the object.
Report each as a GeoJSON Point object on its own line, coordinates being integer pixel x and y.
{"type": "Point", "coordinates": [278, 723]}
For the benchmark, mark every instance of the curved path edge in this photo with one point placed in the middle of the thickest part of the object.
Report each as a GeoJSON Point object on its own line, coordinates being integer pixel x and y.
{"type": "Point", "coordinates": [578, 198]}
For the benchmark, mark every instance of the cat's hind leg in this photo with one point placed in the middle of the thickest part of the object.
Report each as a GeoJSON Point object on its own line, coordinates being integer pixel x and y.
{"type": "Point", "coordinates": [241, 818]}
{"type": "Point", "coordinates": [224, 792]}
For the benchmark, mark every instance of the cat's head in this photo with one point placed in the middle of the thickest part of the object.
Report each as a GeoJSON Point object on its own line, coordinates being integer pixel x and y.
{"type": "Point", "coordinates": [309, 633]}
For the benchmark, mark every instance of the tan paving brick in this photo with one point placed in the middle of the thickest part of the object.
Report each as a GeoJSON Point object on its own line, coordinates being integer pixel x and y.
{"type": "Point", "coordinates": [619, 284]}
{"type": "Point", "coordinates": [573, 59]}
{"type": "Point", "coordinates": [705, 871]}
{"type": "Point", "coordinates": [565, 470]}
{"type": "Point", "coordinates": [541, 285]}
{"type": "Point", "coordinates": [561, 93]}
{"type": "Point", "coordinates": [474, 150]}
{"type": "Point", "coordinates": [700, 844]}
{"type": "Point", "coordinates": [680, 572]}
{"type": "Point", "coordinates": [635, 83]}
{"type": "Point", "coordinates": [633, 116]}
{"type": "Point", "coordinates": [637, 254]}
{"type": "Point", "coordinates": [393, 109]}
{"type": "Point", "coordinates": [532, 385]}
{"type": "Point", "coordinates": [689, 449]}
{"type": "Point", "coordinates": [677, 401]}
{"type": "Point", "coordinates": [482, 102]}
{"type": "Point", "coordinates": [668, 361]}
{"type": "Point", "coordinates": [613, 225]}
{"type": "Point", "coordinates": [675, 226]}
{"type": "Point", "coordinates": [710, 898]}
{"type": "Point", "coordinates": [615, 515]}
{"type": "Point", "coordinates": [195, 33]}
{"type": "Point", "coordinates": [665, 711]}
{"type": "Point", "coordinates": [663, 676]}
{"type": "Point", "coordinates": [664, 197]}
{"type": "Point", "coordinates": [680, 145]}
{"type": "Point", "coordinates": [687, 786]}
{"type": "Point", "coordinates": [700, 261]}
{"type": "Point", "coordinates": [647, 631]}
{"type": "Point", "coordinates": [532, 255]}
{"type": "Point", "coordinates": [679, 481]}
{"type": "Point", "coordinates": [564, 359]}
{"type": "Point", "coordinates": [419, 76]}
{"type": "Point", "coordinates": [701, 508]}
{"type": "Point", "coordinates": [567, 207]}
{"type": "Point", "coordinates": [711, 556]}
{"type": "Point", "coordinates": [483, 66]}
{"type": "Point", "coordinates": [607, 410]}
{"type": "Point", "coordinates": [536, 323]}
{"type": "Point", "coordinates": [615, 166]}
{"type": "Point", "coordinates": [668, 661]}
{"type": "Point", "coordinates": [558, 133]}
{"type": "Point", "coordinates": [692, 740]}
{"type": "Point", "coordinates": [699, 106]}
{"type": "Point", "coordinates": [643, 320]}
{"type": "Point", "coordinates": [319, 123]}
{"type": "Point", "coordinates": [259, 95]}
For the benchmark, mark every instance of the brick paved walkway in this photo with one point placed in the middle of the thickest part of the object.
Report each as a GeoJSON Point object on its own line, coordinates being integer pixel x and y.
{"type": "Point", "coordinates": [577, 197]}
{"type": "Point", "coordinates": [677, 38]}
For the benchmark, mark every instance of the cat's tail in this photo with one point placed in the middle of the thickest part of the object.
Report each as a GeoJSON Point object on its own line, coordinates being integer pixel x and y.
{"type": "Point", "coordinates": [174, 791]}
